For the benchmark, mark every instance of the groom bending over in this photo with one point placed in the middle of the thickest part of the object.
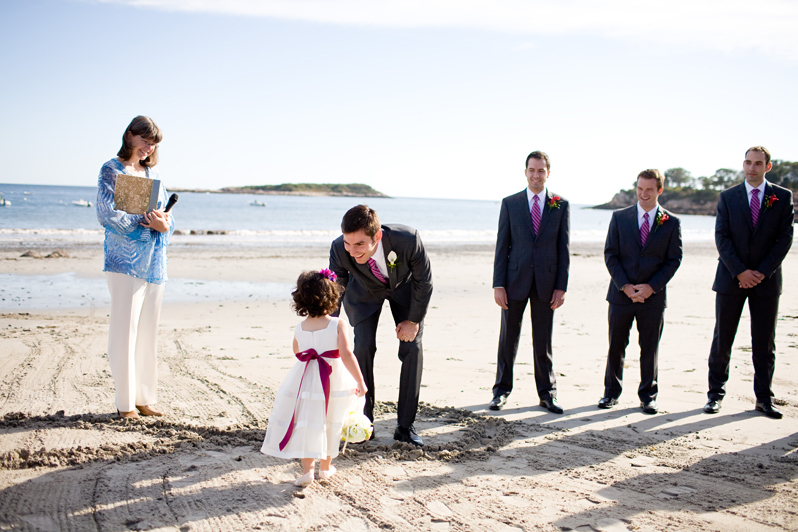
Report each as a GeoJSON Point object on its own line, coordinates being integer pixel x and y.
{"type": "Point", "coordinates": [385, 262]}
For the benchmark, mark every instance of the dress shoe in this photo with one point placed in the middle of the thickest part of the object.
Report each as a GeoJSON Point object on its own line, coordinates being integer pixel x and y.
{"type": "Point", "coordinates": [128, 415]}
{"type": "Point", "coordinates": [712, 407]}
{"type": "Point", "coordinates": [304, 480]}
{"type": "Point", "coordinates": [407, 435]}
{"type": "Point", "coordinates": [552, 405]}
{"type": "Point", "coordinates": [607, 402]}
{"type": "Point", "coordinates": [324, 475]}
{"type": "Point", "coordinates": [649, 407]}
{"type": "Point", "coordinates": [769, 410]}
{"type": "Point", "coordinates": [147, 411]}
{"type": "Point", "coordinates": [498, 401]}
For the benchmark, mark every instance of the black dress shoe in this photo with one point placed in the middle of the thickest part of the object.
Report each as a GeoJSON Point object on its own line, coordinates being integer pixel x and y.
{"type": "Point", "coordinates": [769, 410]}
{"type": "Point", "coordinates": [498, 401]}
{"type": "Point", "coordinates": [649, 407]}
{"type": "Point", "coordinates": [552, 405]}
{"type": "Point", "coordinates": [607, 402]}
{"type": "Point", "coordinates": [712, 407]}
{"type": "Point", "coordinates": [407, 435]}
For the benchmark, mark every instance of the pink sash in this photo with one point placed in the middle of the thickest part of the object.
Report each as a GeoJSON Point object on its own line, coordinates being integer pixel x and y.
{"type": "Point", "coordinates": [325, 370]}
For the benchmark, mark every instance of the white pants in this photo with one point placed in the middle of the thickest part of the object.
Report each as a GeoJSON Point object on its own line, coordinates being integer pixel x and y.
{"type": "Point", "coordinates": [133, 339]}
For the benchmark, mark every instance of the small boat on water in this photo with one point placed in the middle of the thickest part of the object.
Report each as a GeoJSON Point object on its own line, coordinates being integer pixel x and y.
{"type": "Point", "coordinates": [257, 203]}
{"type": "Point", "coordinates": [82, 203]}
{"type": "Point", "coordinates": [4, 202]}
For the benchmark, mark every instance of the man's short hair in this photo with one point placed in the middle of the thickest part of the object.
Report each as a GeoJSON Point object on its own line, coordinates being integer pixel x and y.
{"type": "Point", "coordinates": [653, 173]}
{"type": "Point", "coordinates": [361, 217]}
{"type": "Point", "coordinates": [760, 149]}
{"type": "Point", "coordinates": [537, 154]}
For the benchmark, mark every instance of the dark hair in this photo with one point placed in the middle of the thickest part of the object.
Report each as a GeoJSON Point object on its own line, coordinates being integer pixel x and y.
{"type": "Point", "coordinates": [316, 295]}
{"type": "Point", "coordinates": [537, 154]}
{"type": "Point", "coordinates": [361, 217]}
{"type": "Point", "coordinates": [653, 173]}
{"type": "Point", "coordinates": [760, 149]}
{"type": "Point", "coordinates": [147, 129]}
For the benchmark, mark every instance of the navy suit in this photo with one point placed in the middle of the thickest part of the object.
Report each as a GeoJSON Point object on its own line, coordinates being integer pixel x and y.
{"type": "Point", "coordinates": [408, 292]}
{"type": "Point", "coordinates": [530, 268]}
{"type": "Point", "coordinates": [742, 247]}
{"type": "Point", "coordinates": [628, 262]}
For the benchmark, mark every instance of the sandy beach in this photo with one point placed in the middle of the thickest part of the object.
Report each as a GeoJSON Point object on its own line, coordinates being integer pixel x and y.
{"type": "Point", "coordinates": [68, 463]}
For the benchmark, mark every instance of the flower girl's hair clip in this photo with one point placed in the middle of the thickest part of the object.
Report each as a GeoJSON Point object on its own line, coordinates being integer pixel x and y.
{"type": "Point", "coordinates": [329, 274]}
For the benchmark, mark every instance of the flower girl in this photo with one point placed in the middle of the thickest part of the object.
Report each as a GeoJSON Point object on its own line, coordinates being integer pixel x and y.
{"type": "Point", "coordinates": [319, 390]}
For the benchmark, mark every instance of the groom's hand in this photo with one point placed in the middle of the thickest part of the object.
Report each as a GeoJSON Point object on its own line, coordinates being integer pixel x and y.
{"type": "Point", "coordinates": [500, 297]}
{"type": "Point", "coordinates": [406, 331]}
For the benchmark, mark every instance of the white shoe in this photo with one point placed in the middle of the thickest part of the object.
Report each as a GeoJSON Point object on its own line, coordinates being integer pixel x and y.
{"type": "Point", "coordinates": [304, 480]}
{"type": "Point", "coordinates": [324, 475]}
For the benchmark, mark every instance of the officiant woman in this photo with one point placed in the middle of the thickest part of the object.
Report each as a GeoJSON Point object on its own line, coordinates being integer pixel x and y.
{"type": "Point", "coordinates": [135, 266]}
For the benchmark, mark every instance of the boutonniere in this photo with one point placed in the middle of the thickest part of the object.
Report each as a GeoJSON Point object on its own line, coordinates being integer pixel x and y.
{"type": "Point", "coordinates": [554, 202]}
{"type": "Point", "coordinates": [660, 219]}
{"type": "Point", "coordinates": [770, 200]}
{"type": "Point", "coordinates": [391, 260]}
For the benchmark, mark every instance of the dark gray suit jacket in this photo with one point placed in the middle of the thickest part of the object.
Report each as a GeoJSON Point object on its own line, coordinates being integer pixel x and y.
{"type": "Point", "coordinates": [521, 257]}
{"type": "Point", "coordinates": [629, 263]}
{"type": "Point", "coordinates": [409, 283]}
{"type": "Point", "coordinates": [741, 247]}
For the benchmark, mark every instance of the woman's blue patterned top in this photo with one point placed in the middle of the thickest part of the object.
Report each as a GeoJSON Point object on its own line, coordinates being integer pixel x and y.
{"type": "Point", "coordinates": [131, 248]}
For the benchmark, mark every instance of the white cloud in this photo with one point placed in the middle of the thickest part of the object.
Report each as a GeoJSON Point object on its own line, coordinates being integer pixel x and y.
{"type": "Point", "coordinates": [729, 25]}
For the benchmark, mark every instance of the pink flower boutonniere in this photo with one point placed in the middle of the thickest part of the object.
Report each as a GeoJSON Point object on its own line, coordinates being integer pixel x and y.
{"type": "Point", "coordinates": [770, 200]}
{"type": "Point", "coordinates": [554, 202]}
{"type": "Point", "coordinates": [660, 219]}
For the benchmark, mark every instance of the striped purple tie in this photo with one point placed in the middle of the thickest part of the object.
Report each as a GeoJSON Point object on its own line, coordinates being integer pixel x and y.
{"type": "Point", "coordinates": [644, 230]}
{"type": "Point", "coordinates": [755, 206]}
{"type": "Point", "coordinates": [535, 213]}
{"type": "Point", "coordinates": [376, 271]}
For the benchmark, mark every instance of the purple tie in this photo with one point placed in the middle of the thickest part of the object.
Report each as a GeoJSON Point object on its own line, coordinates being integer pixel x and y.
{"type": "Point", "coordinates": [755, 206]}
{"type": "Point", "coordinates": [644, 230]}
{"type": "Point", "coordinates": [376, 271]}
{"type": "Point", "coordinates": [535, 213]}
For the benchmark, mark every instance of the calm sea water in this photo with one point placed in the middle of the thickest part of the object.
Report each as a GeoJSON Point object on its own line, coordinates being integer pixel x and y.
{"type": "Point", "coordinates": [45, 215]}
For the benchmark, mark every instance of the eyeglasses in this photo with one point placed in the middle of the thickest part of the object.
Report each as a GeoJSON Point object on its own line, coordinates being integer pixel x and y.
{"type": "Point", "coordinates": [148, 143]}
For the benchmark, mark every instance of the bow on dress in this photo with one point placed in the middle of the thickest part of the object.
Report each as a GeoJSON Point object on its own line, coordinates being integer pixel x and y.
{"type": "Point", "coordinates": [325, 370]}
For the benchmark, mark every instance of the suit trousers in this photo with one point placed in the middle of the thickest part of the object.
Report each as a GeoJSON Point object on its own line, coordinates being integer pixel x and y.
{"type": "Point", "coordinates": [764, 314]}
{"type": "Point", "coordinates": [650, 321]}
{"type": "Point", "coordinates": [410, 353]}
{"type": "Point", "coordinates": [542, 326]}
{"type": "Point", "coordinates": [133, 339]}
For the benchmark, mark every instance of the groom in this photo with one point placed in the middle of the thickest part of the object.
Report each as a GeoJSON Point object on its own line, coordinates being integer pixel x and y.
{"type": "Point", "coordinates": [375, 263]}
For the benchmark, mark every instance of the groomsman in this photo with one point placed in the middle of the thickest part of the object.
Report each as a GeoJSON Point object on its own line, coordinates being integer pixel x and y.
{"type": "Point", "coordinates": [642, 253]}
{"type": "Point", "coordinates": [753, 233]}
{"type": "Point", "coordinates": [376, 263]}
{"type": "Point", "coordinates": [531, 265]}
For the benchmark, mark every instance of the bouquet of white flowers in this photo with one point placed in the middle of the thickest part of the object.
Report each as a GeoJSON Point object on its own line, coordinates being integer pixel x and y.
{"type": "Point", "coordinates": [357, 427]}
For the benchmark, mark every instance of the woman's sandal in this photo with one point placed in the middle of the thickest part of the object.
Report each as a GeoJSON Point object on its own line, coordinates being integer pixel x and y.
{"type": "Point", "coordinates": [304, 480]}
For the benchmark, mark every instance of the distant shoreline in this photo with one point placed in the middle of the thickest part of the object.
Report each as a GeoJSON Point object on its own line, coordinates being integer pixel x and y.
{"type": "Point", "coordinates": [296, 189]}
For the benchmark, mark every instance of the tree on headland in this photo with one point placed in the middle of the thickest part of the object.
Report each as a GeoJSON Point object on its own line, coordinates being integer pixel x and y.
{"type": "Point", "coordinates": [686, 194]}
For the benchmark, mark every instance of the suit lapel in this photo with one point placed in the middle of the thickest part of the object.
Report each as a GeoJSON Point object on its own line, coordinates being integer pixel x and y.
{"type": "Point", "coordinates": [631, 226]}
{"type": "Point", "coordinates": [523, 208]}
{"type": "Point", "coordinates": [387, 248]}
{"type": "Point", "coordinates": [762, 210]}
{"type": "Point", "coordinates": [545, 212]}
{"type": "Point", "coordinates": [741, 197]}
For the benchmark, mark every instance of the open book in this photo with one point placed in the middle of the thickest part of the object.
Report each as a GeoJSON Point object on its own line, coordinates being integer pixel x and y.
{"type": "Point", "coordinates": [136, 195]}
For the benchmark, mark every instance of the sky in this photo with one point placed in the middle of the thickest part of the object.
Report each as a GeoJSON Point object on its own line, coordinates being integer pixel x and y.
{"type": "Point", "coordinates": [433, 98]}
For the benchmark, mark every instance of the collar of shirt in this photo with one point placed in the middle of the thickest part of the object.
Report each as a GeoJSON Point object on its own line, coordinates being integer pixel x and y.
{"type": "Point", "coordinates": [541, 197]}
{"type": "Point", "coordinates": [379, 258]}
{"type": "Point", "coordinates": [760, 188]}
{"type": "Point", "coordinates": [652, 214]}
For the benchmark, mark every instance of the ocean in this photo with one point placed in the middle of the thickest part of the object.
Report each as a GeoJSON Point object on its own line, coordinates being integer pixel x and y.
{"type": "Point", "coordinates": [44, 216]}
